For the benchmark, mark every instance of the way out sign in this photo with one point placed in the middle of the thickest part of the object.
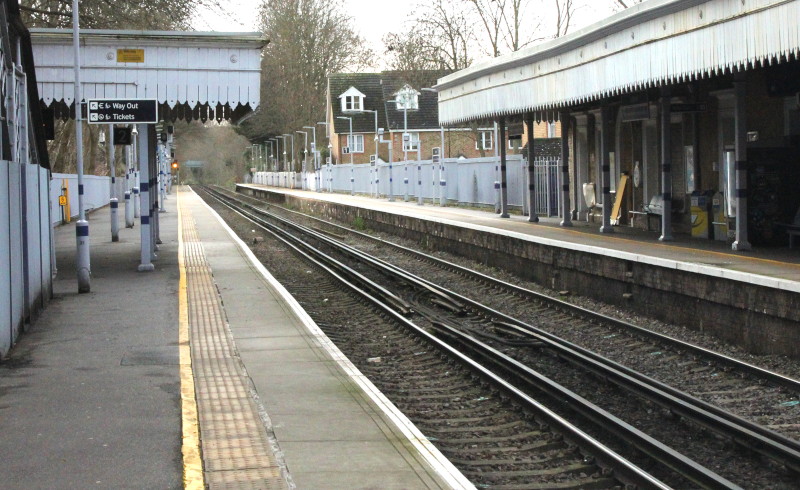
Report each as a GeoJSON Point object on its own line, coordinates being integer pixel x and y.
{"type": "Point", "coordinates": [120, 111]}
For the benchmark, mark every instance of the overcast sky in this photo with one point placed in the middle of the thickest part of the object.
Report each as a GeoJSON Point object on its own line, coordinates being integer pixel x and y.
{"type": "Point", "coordinates": [372, 21]}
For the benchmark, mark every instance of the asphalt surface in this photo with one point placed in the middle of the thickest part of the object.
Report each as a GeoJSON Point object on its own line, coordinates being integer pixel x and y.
{"type": "Point", "coordinates": [90, 396]}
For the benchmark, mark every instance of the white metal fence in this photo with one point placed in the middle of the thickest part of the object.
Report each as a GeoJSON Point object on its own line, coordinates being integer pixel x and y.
{"type": "Point", "coordinates": [26, 264]}
{"type": "Point", "coordinates": [96, 193]}
{"type": "Point", "coordinates": [469, 182]}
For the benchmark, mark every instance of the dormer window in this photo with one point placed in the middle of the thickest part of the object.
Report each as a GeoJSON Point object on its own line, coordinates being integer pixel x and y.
{"type": "Point", "coordinates": [407, 98]}
{"type": "Point", "coordinates": [352, 100]}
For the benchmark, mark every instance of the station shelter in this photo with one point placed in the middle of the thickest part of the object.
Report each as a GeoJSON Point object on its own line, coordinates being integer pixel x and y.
{"type": "Point", "coordinates": [683, 114]}
{"type": "Point", "coordinates": [192, 76]}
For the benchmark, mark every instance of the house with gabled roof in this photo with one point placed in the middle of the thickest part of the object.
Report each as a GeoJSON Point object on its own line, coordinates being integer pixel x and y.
{"type": "Point", "coordinates": [361, 104]}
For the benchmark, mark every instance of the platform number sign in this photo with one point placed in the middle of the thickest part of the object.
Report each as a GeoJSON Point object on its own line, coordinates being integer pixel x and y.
{"type": "Point", "coordinates": [345, 150]}
{"type": "Point", "coordinates": [435, 155]}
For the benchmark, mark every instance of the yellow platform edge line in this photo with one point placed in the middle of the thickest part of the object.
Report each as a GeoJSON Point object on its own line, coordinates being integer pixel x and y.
{"type": "Point", "coordinates": [190, 446]}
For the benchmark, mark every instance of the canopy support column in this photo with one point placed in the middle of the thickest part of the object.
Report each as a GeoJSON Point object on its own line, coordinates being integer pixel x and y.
{"type": "Point", "coordinates": [740, 116]}
{"type": "Point", "coordinates": [666, 165]}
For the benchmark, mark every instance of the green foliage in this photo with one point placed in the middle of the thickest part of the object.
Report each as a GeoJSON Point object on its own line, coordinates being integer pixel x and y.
{"type": "Point", "coordinates": [359, 224]}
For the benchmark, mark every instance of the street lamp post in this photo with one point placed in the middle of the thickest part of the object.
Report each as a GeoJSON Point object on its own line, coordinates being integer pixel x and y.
{"type": "Point", "coordinates": [314, 153]}
{"type": "Point", "coordinates": [319, 168]}
{"type": "Point", "coordinates": [442, 179]}
{"type": "Point", "coordinates": [290, 162]}
{"type": "Point", "coordinates": [350, 143]}
{"type": "Point", "coordinates": [375, 180]}
{"type": "Point", "coordinates": [305, 158]}
{"type": "Point", "coordinates": [285, 161]}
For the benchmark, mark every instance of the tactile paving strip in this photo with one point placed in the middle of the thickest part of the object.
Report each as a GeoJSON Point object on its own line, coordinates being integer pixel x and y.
{"type": "Point", "coordinates": [236, 450]}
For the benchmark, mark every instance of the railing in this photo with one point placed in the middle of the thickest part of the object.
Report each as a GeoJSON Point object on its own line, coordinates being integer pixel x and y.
{"type": "Point", "coordinates": [468, 182]}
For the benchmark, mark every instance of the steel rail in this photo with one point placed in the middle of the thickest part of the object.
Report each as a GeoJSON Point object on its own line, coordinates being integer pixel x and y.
{"type": "Point", "coordinates": [624, 470]}
{"type": "Point", "coordinates": [773, 377]}
{"type": "Point", "coordinates": [572, 401]}
{"type": "Point", "coordinates": [751, 435]}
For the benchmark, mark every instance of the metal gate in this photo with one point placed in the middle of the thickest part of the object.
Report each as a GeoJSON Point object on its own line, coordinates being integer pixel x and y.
{"type": "Point", "coordinates": [547, 195]}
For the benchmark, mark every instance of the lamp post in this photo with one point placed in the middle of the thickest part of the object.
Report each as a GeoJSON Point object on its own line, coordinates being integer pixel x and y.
{"type": "Point", "coordinates": [128, 186]}
{"type": "Point", "coordinates": [314, 153]}
{"type": "Point", "coordinates": [288, 161]}
{"type": "Point", "coordinates": [113, 202]}
{"type": "Point", "coordinates": [350, 150]}
{"type": "Point", "coordinates": [327, 135]}
{"type": "Point", "coordinates": [376, 149]}
{"type": "Point", "coordinates": [305, 158]}
{"type": "Point", "coordinates": [442, 179]}
{"type": "Point", "coordinates": [405, 147]}
{"type": "Point", "coordinates": [135, 152]}
{"type": "Point", "coordinates": [82, 255]}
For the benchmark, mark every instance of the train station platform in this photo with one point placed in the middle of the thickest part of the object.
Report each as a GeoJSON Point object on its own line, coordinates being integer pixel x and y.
{"type": "Point", "coordinates": [747, 297]}
{"type": "Point", "coordinates": [204, 372]}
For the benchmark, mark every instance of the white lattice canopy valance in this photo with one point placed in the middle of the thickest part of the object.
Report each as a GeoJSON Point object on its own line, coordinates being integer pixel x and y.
{"type": "Point", "coordinates": [179, 69]}
{"type": "Point", "coordinates": [655, 43]}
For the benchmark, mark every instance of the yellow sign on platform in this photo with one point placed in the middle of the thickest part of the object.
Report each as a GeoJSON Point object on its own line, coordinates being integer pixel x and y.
{"type": "Point", "coordinates": [130, 56]}
{"type": "Point", "coordinates": [62, 200]}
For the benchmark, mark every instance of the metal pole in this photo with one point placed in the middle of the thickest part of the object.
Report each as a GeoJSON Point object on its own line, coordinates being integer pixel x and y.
{"type": "Point", "coordinates": [376, 153]}
{"type": "Point", "coordinates": [533, 217]}
{"type": "Point", "coordinates": [305, 159]}
{"type": "Point", "coordinates": [666, 165]}
{"type": "Point", "coordinates": [740, 129]}
{"type": "Point", "coordinates": [501, 143]}
{"type": "Point", "coordinates": [497, 198]}
{"type": "Point", "coordinates": [135, 163]}
{"type": "Point", "coordinates": [442, 179]}
{"type": "Point", "coordinates": [128, 182]}
{"type": "Point", "coordinates": [162, 175]}
{"type": "Point", "coordinates": [566, 216]}
{"type": "Point", "coordinates": [605, 161]}
{"type": "Point", "coordinates": [316, 159]}
{"type": "Point", "coordinates": [82, 226]}
{"type": "Point", "coordinates": [146, 236]}
{"type": "Point", "coordinates": [114, 202]}
{"type": "Point", "coordinates": [405, 130]}
{"type": "Point", "coordinates": [314, 153]}
{"type": "Point", "coordinates": [352, 167]}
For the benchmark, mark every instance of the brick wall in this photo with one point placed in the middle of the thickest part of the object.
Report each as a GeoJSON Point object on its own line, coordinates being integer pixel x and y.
{"type": "Point", "coordinates": [458, 142]}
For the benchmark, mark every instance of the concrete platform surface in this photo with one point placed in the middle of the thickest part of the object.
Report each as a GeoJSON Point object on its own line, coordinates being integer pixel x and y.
{"type": "Point", "coordinates": [96, 393]}
{"type": "Point", "coordinates": [90, 395]}
{"type": "Point", "coordinates": [332, 427]}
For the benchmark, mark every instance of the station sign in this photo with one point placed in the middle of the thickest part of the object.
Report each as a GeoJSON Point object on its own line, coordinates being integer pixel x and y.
{"type": "Point", "coordinates": [120, 111]}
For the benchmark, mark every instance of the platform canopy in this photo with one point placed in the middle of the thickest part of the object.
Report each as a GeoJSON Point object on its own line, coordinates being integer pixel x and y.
{"type": "Point", "coordinates": [193, 75]}
{"type": "Point", "coordinates": [655, 43]}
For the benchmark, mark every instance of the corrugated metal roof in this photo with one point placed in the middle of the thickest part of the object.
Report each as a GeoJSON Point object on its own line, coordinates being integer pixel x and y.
{"type": "Point", "coordinates": [178, 68]}
{"type": "Point", "coordinates": [654, 43]}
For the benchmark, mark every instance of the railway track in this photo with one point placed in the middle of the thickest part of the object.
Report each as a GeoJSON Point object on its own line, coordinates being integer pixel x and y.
{"type": "Point", "coordinates": [529, 359]}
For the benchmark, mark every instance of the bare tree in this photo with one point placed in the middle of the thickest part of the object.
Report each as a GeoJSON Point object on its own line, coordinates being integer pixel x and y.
{"type": "Point", "coordinates": [565, 9]}
{"type": "Point", "coordinates": [309, 40]}
{"type": "Point", "coordinates": [439, 39]}
{"type": "Point", "coordinates": [624, 4]}
{"type": "Point", "coordinates": [491, 14]}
